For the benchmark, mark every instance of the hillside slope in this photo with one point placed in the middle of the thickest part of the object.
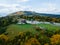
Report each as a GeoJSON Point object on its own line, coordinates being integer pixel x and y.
{"type": "Point", "coordinates": [34, 13]}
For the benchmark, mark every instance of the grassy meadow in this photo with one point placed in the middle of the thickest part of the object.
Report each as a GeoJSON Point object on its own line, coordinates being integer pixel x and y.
{"type": "Point", "coordinates": [14, 29]}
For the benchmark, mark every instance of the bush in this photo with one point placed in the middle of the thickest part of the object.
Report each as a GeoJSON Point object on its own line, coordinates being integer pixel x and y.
{"type": "Point", "coordinates": [55, 39]}
{"type": "Point", "coordinates": [37, 28]}
{"type": "Point", "coordinates": [43, 39]}
{"type": "Point", "coordinates": [49, 33]}
{"type": "Point", "coordinates": [5, 37]}
{"type": "Point", "coordinates": [57, 31]}
{"type": "Point", "coordinates": [32, 41]}
{"type": "Point", "coordinates": [2, 30]}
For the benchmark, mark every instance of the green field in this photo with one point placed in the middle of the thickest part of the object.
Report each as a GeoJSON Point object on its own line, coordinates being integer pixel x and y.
{"type": "Point", "coordinates": [14, 29]}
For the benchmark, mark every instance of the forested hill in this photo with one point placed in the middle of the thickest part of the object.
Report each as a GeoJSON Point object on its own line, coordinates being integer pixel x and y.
{"type": "Point", "coordinates": [34, 13]}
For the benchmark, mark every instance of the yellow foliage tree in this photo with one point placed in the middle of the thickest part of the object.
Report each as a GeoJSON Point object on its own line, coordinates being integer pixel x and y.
{"type": "Point", "coordinates": [32, 41]}
{"type": "Point", "coordinates": [46, 44]}
{"type": "Point", "coordinates": [21, 34]}
{"type": "Point", "coordinates": [2, 36]}
{"type": "Point", "coordinates": [55, 39]}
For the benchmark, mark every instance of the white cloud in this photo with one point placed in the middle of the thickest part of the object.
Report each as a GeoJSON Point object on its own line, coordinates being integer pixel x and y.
{"type": "Point", "coordinates": [5, 6]}
{"type": "Point", "coordinates": [46, 8]}
{"type": "Point", "coordinates": [8, 8]}
{"type": "Point", "coordinates": [13, 1]}
{"type": "Point", "coordinates": [22, 0]}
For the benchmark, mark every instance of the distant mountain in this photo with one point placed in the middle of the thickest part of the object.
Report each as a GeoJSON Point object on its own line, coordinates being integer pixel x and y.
{"type": "Point", "coordinates": [34, 13]}
{"type": "Point", "coordinates": [51, 15]}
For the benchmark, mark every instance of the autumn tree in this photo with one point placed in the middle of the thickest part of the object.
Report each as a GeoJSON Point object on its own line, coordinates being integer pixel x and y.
{"type": "Point", "coordinates": [55, 39]}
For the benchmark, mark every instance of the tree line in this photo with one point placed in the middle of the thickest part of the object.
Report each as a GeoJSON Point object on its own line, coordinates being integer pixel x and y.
{"type": "Point", "coordinates": [5, 21]}
{"type": "Point", "coordinates": [40, 18]}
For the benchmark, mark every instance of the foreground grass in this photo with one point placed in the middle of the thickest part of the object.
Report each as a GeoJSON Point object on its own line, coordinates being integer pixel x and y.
{"type": "Point", "coordinates": [14, 29]}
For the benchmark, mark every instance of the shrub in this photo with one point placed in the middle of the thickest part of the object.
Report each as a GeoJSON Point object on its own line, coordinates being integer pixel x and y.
{"type": "Point", "coordinates": [55, 39]}
{"type": "Point", "coordinates": [32, 41]}
{"type": "Point", "coordinates": [49, 33]}
{"type": "Point", "coordinates": [43, 39]}
{"type": "Point", "coordinates": [37, 28]}
{"type": "Point", "coordinates": [2, 36]}
{"type": "Point", "coordinates": [46, 44]}
{"type": "Point", "coordinates": [57, 31]}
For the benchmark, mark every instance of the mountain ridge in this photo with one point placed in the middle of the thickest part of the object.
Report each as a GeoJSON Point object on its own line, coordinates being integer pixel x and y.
{"type": "Point", "coordinates": [34, 13]}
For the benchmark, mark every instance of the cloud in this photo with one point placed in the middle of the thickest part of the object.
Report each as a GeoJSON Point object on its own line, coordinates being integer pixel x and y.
{"type": "Point", "coordinates": [8, 8]}
{"type": "Point", "coordinates": [46, 8]}
{"type": "Point", "coordinates": [22, 0]}
{"type": "Point", "coordinates": [13, 1]}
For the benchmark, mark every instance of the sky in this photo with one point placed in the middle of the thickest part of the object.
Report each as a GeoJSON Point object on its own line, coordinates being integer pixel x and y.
{"type": "Point", "coordinates": [41, 6]}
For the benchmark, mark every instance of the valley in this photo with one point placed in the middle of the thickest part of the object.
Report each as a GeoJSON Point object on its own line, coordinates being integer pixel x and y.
{"type": "Point", "coordinates": [29, 28]}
